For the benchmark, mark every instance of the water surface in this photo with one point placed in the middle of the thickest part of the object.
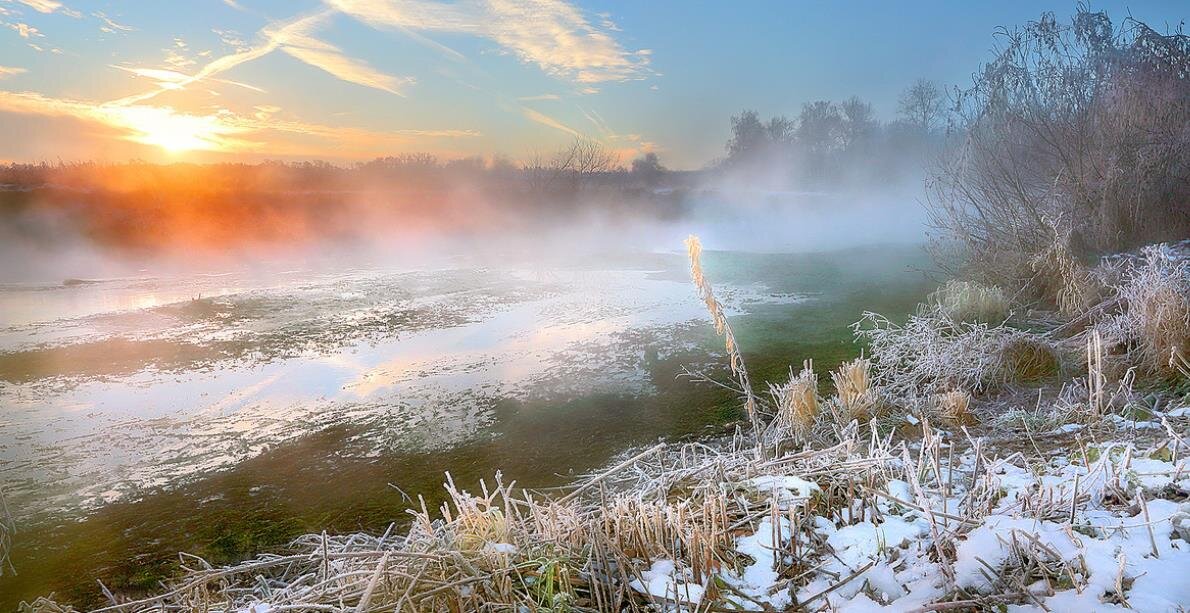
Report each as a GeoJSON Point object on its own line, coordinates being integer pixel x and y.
{"type": "Point", "coordinates": [223, 414]}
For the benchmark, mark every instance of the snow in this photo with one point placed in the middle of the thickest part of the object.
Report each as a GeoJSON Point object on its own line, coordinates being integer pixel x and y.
{"type": "Point", "coordinates": [1108, 544]}
{"type": "Point", "coordinates": [991, 544]}
{"type": "Point", "coordinates": [759, 577]}
{"type": "Point", "coordinates": [505, 548]}
{"type": "Point", "coordinates": [1162, 584]}
{"type": "Point", "coordinates": [662, 581]}
{"type": "Point", "coordinates": [1125, 423]}
{"type": "Point", "coordinates": [787, 488]}
{"type": "Point", "coordinates": [858, 543]}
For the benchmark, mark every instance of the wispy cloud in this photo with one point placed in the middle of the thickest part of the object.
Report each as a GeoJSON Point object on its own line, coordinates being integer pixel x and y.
{"type": "Point", "coordinates": [295, 38]}
{"type": "Point", "coordinates": [297, 42]}
{"type": "Point", "coordinates": [178, 55]}
{"type": "Point", "coordinates": [110, 25]}
{"type": "Point", "coordinates": [231, 38]}
{"type": "Point", "coordinates": [539, 97]}
{"type": "Point", "coordinates": [552, 34]}
{"type": "Point", "coordinates": [221, 131]}
{"type": "Point", "coordinates": [598, 122]}
{"type": "Point", "coordinates": [171, 79]}
{"type": "Point", "coordinates": [25, 30]}
{"type": "Point", "coordinates": [50, 6]}
{"type": "Point", "coordinates": [546, 120]}
{"type": "Point", "coordinates": [8, 71]}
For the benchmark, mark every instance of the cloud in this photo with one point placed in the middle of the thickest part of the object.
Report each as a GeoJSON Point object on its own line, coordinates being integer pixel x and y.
{"type": "Point", "coordinates": [171, 79]}
{"type": "Point", "coordinates": [294, 38]}
{"type": "Point", "coordinates": [25, 30]}
{"type": "Point", "coordinates": [540, 97]}
{"type": "Point", "coordinates": [8, 71]}
{"type": "Point", "coordinates": [50, 6]}
{"type": "Point", "coordinates": [546, 120]}
{"type": "Point", "coordinates": [160, 126]}
{"type": "Point", "coordinates": [220, 131]}
{"type": "Point", "coordinates": [231, 38]}
{"type": "Point", "coordinates": [598, 122]}
{"type": "Point", "coordinates": [111, 26]}
{"type": "Point", "coordinates": [296, 42]}
{"type": "Point", "coordinates": [552, 34]}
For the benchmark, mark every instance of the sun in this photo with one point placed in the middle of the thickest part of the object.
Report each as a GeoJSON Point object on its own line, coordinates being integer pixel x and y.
{"type": "Point", "coordinates": [176, 133]}
{"type": "Point", "coordinates": [172, 131]}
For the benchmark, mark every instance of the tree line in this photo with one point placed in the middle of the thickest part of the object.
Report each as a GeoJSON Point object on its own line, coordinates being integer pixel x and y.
{"type": "Point", "coordinates": [831, 143]}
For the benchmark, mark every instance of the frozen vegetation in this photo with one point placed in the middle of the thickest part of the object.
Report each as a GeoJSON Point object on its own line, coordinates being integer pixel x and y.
{"type": "Point", "coordinates": [1019, 443]}
{"type": "Point", "coordinates": [915, 484]}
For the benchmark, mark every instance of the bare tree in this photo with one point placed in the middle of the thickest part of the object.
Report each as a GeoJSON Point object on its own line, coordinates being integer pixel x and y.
{"type": "Point", "coordinates": [573, 166]}
{"type": "Point", "coordinates": [923, 105]}
{"type": "Point", "coordinates": [587, 157]}
{"type": "Point", "coordinates": [1074, 132]}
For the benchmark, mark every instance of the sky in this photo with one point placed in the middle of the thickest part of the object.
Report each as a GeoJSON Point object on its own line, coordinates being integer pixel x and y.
{"type": "Point", "coordinates": [350, 80]}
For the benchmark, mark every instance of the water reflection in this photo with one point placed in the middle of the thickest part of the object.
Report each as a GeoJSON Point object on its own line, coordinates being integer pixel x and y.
{"type": "Point", "coordinates": [113, 388]}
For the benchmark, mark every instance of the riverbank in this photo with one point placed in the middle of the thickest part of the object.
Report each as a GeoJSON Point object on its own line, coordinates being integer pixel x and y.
{"type": "Point", "coordinates": [955, 467]}
{"type": "Point", "coordinates": [286, 448]}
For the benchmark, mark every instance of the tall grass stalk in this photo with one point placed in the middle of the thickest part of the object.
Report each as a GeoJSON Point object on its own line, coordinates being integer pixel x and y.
{"type": "Point", "coordinates": [7, 529]}
{"type": "Point", "coordinates": [723, 328]}
{"type": "Point", "coordinates": [1096, 379]}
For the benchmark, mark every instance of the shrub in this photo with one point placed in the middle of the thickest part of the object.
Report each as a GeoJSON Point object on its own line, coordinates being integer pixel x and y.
{"type": "Point", "coordinates": [932, 354]}
{"type": "Point", "coordinates": [965, 301]}
{"type": "Point", "coordinates": [1154, 322]}
{"type": "Point", "coordinates": [1080, 125]}
{"type": "Point", "coordinates": [1026, 359]}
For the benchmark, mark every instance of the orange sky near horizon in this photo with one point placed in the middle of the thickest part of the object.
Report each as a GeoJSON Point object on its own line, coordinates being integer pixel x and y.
{"type": "Point", "coordinates": [350, 80]}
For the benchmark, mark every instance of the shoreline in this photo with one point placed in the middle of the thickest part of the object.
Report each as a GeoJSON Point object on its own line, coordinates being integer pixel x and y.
{"type": "Point", "coordinates": [884, 493]}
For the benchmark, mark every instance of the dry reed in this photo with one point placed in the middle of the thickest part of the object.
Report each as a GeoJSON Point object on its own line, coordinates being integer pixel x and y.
{"type": "Point", "coordinates": [1155, 320]}
{"type": "Point", "coordinates": [797, 400]}
{"type": "Point", "coordinates": [1028, 359]}
{"type": "Point", "coordinates": [954, 407]}
{"type": "Point", "coordinates": [854, 396]}
{"type": "Point", "coordinates": [722, 327]}
{"type": "Point", "coordinates": [1061, 276]}
{"type": "Point", "coordinates": [7, 529]}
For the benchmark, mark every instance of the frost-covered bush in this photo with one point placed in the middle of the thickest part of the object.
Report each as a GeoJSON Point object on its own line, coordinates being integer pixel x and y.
{"type": "Point", "coordinates": [966, 301]}
{"type": "Point", "coordinates": [932, 354]}
{"type": "Point", "coordinates": [1153, 324]}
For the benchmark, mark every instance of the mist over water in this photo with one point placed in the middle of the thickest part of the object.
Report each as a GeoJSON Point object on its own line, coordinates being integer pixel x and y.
{"type": "Point", "coordinates": [154, 345]}
{"type": "Point", "coordinates": [50, 244]}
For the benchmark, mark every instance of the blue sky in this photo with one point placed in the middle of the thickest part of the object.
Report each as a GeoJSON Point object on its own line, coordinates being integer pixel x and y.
{"type": "Point", "coordinates": [224, 80]}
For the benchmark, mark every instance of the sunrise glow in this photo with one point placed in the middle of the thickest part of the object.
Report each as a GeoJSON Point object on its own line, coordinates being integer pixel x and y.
{"type": "Point", "coordinates": [173, 132]}
{"type": "Point", "coordinates": [652, 306]}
